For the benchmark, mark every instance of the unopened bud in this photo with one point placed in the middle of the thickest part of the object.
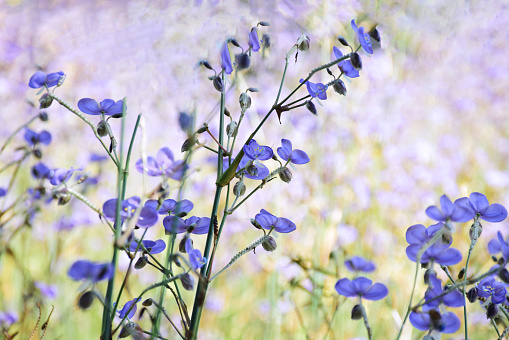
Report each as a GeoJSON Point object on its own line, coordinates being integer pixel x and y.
{"type": "Point", "coordinates": [102, 129]}
{"type": "Point", "coordinates": [188, 144]}
{"type": "Point", "coordinates": [245, 101]}
{"type": "Point", "coordinates": [356, 61]}
{"type": "Point", "coordinates": [252, 89]}
{"type": "Point", "coordinates": [187, 281]}
{"type": "Point", "coordinates": [339, 86]}
{"type": "Point", "coordinates": [266, 40]}
{"type": "Point", "coordinates": [304, 44]}
{"type": "Point", "coordinates": [202, 129]}
{"type": "Point", "coordinates": [357, 312]}
{"type": "Point", "coordinates": [227, 112]}
{"type": "Point", "coordinates": [142, 262]}
{"type": "Point", "coordinates": [252, 170]}
{"type": "Point", "coordinates": [311, 107]}
{"type": "Point", "coordinates": [147, 302]}
{"type": "Point", "coordinates": [182, 244]}
{"type": "Point", "coordinates": [130, 329]}
{"type": "Point", "coordinates": [285, 175]}
{"type": "Point", "coordinates": [492, 311]}
{"type": "Point", "coordinates": [231, 129]}
{"type": "Point", "coordinates": [206, 64]}
{"type": "Point", "coordinates": [503, 274]}
{"type": "Point", "coordinates": [256, 223]}
{"type": "Point", "coordinates": [264, 23]}
{"type": "Point", "coordinates": [242, 61]}
{"type": "Point", "coordinates": [375, 35]}
{"type": "Point", "coordinates": [63, 198]}
{"type": "Point", "coordinates": [239, 189]}
{"type": "Point", "coordinates": [343, 41]}
{"type": "Point", "coordinates": [472, 295]}
{"type": "Point", "coordinates": [461, 274]}
{"type": "Point", "coordinates": [45, 101]}
{"type": "Point", "coordinates": [86, 299]}
{"type": "Point", "coordinates": [176, 260]}
{"type": "Point", "coordinates": [269, 244]}
{"type": "Point", "coordinates": [473, 229]}
{"type": "Point", "coordinates": [43, 116]}
{"type": "Point", "coordinates": [218, 83]}
{"type": "Point", "coordinates": [427, 274]}
{"type": "Point", "coordinates": [234, 42]}
{"type": "Point", "coordinates": [37, 153]}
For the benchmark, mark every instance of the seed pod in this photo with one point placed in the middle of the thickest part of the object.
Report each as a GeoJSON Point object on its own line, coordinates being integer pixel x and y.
{"type": "Point", "coordinates": [63, 197]}
{"type": "Point", "coordinates": [286, 175]}
{"type": "Point", "coordinates": [357, 312]}
{"type": "Point", "coordinates": [304, 44]}
{"type": "Point", "coordinates": [256, 223]}
{"type": "Point", "coordinates": [45, 101]}
{"type": "Point", "coordinates": [102, 129]}
{"type": "Point", "coordinates": [142, 262]}
{"type": "Point", "coordinates": [339, 87]}
{"type": "Point", "coordinates": [245, 101]}
{"type": "Point", "coordinates": [356, 61]}
{"type": "Point", "coordinates": [269, 244]}
{"type": "Point", "coordinates": [311, 107]}
{"type": "Point", "coordinates": [239, 189]}
{"type": "Point", "coordinates": [187, 281]}
{"type": "Point", "coordinates": [343, 41]}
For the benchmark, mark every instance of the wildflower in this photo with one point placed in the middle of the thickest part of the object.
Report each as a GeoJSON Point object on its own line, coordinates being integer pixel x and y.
{"type": "Point", "coordinates": [86, 270]}
{"type": "Point", "coordinates": [3, 192]}
{"type": "Point", "coordinates": [288, 154]}
{"type": "Point", "coordinates": [195, 258]}
{"type": "Point", "coordinates": [171, 207]}
{"type": "Point", "coordinates": [346, 65]}
{"type": "Point", "coordinates": [8, 318]}
{"type": "Point", "coordinates": [446, 322]}
{"type": "Point", "coordinates": [34, 138]}
{"type": "Point", "coordinates": [174, 224]}
{"type": "Point", "coordinates": [255, 151]}
{"type": "Point", "coordinates": [361, 287]}
{"type": "Point", "coordinates": [450, 211]}
{"type": "Point", "coordinates": [279, 224]}
{"type": "Point", "coordinates": [359, 264]}
{"type": "Point", "coordinates": [163, 165]}
{"type": "Point", "coordinates": [130, 306]}
{"type": "Point", "coordinates": [364, 38]}
{"type": "Point", "coordinates": [148, 215]}
{"type": "Point", "coordinates": [49, 291]}
{"type": "Point", "coordinates": [452, 299]}
{"type": "Point", "coordinates": [254, 42]}
{"type": "Point", "coordinates": [107, 107]}
{"type": "Point", "coordinates": [419, 234]}
{"type": "Point", "coordinates": [317, 90]}
{"type": "Point", "coordinates": [226, 62]}
{"type": "Point", "coordinates": [60, 175]}
{"type": "Point", "coordinates": [478, 204]}
{"type": "Point", "coordinates": [40, 171]}
{"type": "Point", "coordinates": [40, 79]}
{"type": "Point", "coordinates": [153, 247]}
{"type": "Point", "coordinates": [439, 253]}
{"type": "Point", "coordinates": [262, 170]}
{"type": "Point", "coordinates": [489, 288]}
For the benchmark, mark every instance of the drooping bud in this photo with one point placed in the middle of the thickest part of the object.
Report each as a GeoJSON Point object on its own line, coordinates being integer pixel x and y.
{"type": "Point", "coordinates": [492, 311]}
{"type": "Point", "coordinates": [245, 101]}
{"type": "Point", "coordinates": [256, 223]}
{"type": "Point", "coordinates": [266, 40]}
{"type": "Point", "coordinates": [182, 244]}
{"type": "Point", "coordinates": [356, 61]}
{"type": "Point", "coordinates": [187, 281]}
{"type": "Point", "coordinates": [231, 129]}
{"type": "Point", "coordinates": [234, 42]}
{"type": "Point", "coordinates": [43, 116]}
{"type": "Point", "coordinates": [343, 41]}
{"type": "Point", "coordinates": [311, 107]}
{"type": "Point", "coordinates": [472, 295]}
{"type": "Point", "coordinates": [461, 274]}
{"type": "Point", "coordinates": [142, 262]}
{"type": "Point", "coordinates": [252, 170]}
{"type": "Point", "coordinates": [86, 299]}
{"type": "Point", "coordinates": [102, 129]}
{"type": "Point", "coordinates": [503, 274]}
{"type": "Point", "coordinates": [63, 197]}
{"type": "Point", "coordinates": [269, 244]}
{"type": "Point", "coordinates": [473, 229]}
{"type": "Point", "coordinates": [239, 189]}
{"type": "Point", "coordinates": [205, 63]}
{"type": "Point", "coordinates": [357, 312]}
{"type": "Point", "coordinates": [264, 23]}
{"type": "Point", "coordinates": [427, 274]}
{"type": "Point", "coordinates": [375, 35]}
{"type": "Point", "coordinates": [147, 302]}
{"type": "Point", "coordinates": [202, 129]}
{"type": "Point", "coordinates": [188, 144]}
{"type": "Point", "coordinates": [285, 175]}
{"type": "Point", "coordinates": [304, 44]}
{"type": "Point", "coordinates": [242, 60]}
{"type": "Point", "coordinates": [45, 101]}
{"type": "Point", "coordinates": [218, 83]}
{"type": "Point", "coordinates": [37, 153]}
{"type": "Point", "coordinates": [227, 112]}
{"type": "Point", "coordinates": [339, 86]}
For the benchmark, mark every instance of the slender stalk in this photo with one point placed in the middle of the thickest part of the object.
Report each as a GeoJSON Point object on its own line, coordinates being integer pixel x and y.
{"type": "Point", "coordinates": [475, 235]}
{"type": "Point", "coordinates": [366, 322]}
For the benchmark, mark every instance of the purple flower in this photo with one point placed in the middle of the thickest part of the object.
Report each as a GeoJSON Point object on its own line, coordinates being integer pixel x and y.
{"type": "Point", "coordinates": [40, 171]}
{"type": "Point", "coordinates": [107, 107]}
{"type": "Point", "coordinates": [8, 318]}
{"type": "Point", "coordinates": [3, 192]}
{"type": "Point", "coordinates": [364, 38]}
{"type": "Point", "coordinates": [60, 175]}
{"type": "Point", "coordinates": [446, 322]}
{"type": "Point", "coordinates": [279, 224]}
{"type": "Point", "coordinates": [254, 42]}
{"type": "Point", "coordinates": [419, 235]}
{"type": "Point", "coordinates": [362, 287]}
{"type": "Point", "coordinates": [256, 151]}
{"type": "Point", "coordinates": [504, 246]}
{"type": "Point", "coordinates": [148, 215]}
{"type": "Point", "coordinates": [346, 65]}
{"type": "Point", "coordinates": [488, 287]}
{"type": "Point", "coordinates": [86, 270]}
{"type": "Point", "coordinates": [40, 79]}
{"type": "Point", "coordinates": [177, 225]}
{"type": "Point", "coordinates": [195, 258]}
{"type": "Point", "coordinates": [34, 138]}
{"type": "Point", "coordinates": [477, 203]}
{"type": "Point", "coordinates": [226, 62]}
{"type": "Point", "coordinates": [317, 90]}
{"type": "Point", "coordinates": [294, 156]}
{"type": "Point", "coordinates": [153, 247]}
{"type": "Point", "coordinates": [171, 207]}
{"type": "Point", "coordinates": [359, 264]}
{"type": "Point", "coordinates": [439, 252]}
{"type": "Point", "coordinates": [97, 158]}
{"type": "Point", "coordinates": [130, 307]}
{"type": "Point", "coordinates": [450, 211]}
{"type": "Point", "coordinates": [49, 291]}
{"type": "Point", "coordinates": [163, 165]}
{"type": "Point", "coordinates": [263, 171]}
{"type": "Point", "coordinates": [453, 299]}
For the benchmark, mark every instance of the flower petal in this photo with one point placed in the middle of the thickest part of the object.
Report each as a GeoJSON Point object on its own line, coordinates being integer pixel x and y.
{"type": "Point", "coordinates": [448, 257]}
{"type": "Point", "coordinates": [284, 225]}
{"type": "Point", "coordinates": [299, 157]}
{"type": "Point", "coordinates": [434, 213]}
{"type": "Point", "coordinates": [148, 217]}
{"type": "Point", "coordinates": [494, 213]}
{"type": "Point", "coordinates": [174, 224]}
{"type": "Point", "coordinates": [344, 287]}
{"type": "Point", "coordinates": [446, 205]}
{"type": "Point", "coordinates": [45, 137]}
{"type": "Point", "coordinates": [416, 234]}
{"type": "Point", "coordinates": [478, 201]}
{"type": "Point", "coordinates": [494, 246]}
{"type": "Point", "coordinates": [89, 106]}
{"type": "Point", "coordinates": [451, 323]}
{"type": "Point", "coordinates": [226, 62]}
{"type": "Point", "coordinates": [361, 284]}
{"type": "Point", "coordinates": [421, 321]}
{"type": "Point", "coordinates": [461, 214]}
{"type": "Point", "coordinates": [114, 110]}
{"type": "Point", "coordinates": [202, 227]}
{"type": "Point", "coordinates": [165, 157]}
{"type": "Point", "coordinates": [376, 292]}
{"type": "Point", "coordinates": [37, 80]}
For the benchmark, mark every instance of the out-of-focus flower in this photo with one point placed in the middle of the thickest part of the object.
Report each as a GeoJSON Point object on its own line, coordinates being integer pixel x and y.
{"type": "Point", "coordinates": [3, 192]}
{"type": "Point", "coordinates": [8, 318]}
{"type": "Point", "coordinates": [288, 154]}
{"type": "Point", "coordinates": [49, 291]}
{"type": "Point", "coordinates": [40, 79]}
{"type": "Point", "coordinates": [263, 171]}
{"type": "Point", "coordinates": [226, 62]}
{"type": "Point", "coordinates": [108, 107]}
{"type": "Point", "coordinates": [477, 203]}
{"type": "Point", "coordinates": [148, 215]}
{"type": "Point", "coordinates": [449, 211]}
{"type": "Point", "coordinates": [200, 225]}
{"type": "Point", "coordinates": [361, 287]}
{"type": "Point", "coordinates": [86, 270]}
{"type": "Point", "coordinates": [439, 252]}
{"type": "Point", "coordinates": [254, 42]}
{"type": "Point", "coordinates": [452, 299]}
{"type": "Point", "coordinates": [60, 175]}
{"type": "Point", "coordinates": [130, 306]}
{"type": "Point", "coordinates": [446, 322]}
{"type": "Point", "coordinates": [34, 138]}
{"type": "Point", "coordinates": [255, 151]}
{"type": "Point", "coordinates": [153, 247]}
{"type": "Point", "coordinates": [359, 264]}
{"type": "Point", "coordinates": [364, 38]}
{"type": "Point", "coordinates": [317, 90]}
{"type": "Point", "coordinates": [171, 207]}
{"type": "Point", "coordinates": [346, 65]}
{"type": "Point", "coordinates": [40, 171]}
{"type": "Point", "coordinates": [195, 258]}
{"type": "Point", "coordinates": [163, 164]}
{"type": "Point", "coordinates": [419, 234]}
{"type": "Point", "coordinates": [489, 288]}
{"type": "Point", "coordinates": [279, 224]}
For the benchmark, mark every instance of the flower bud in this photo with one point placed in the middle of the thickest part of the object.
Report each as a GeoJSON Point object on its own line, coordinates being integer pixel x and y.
{"type": "Point", "coordinates": [218, 83]}
{"type": "Point", "coordinates": [63, 197]}
{"type": "Point", "coordinates": [311, 107]}
{"type": "Point", "coordinates": [239, 189]}
{"type": "Point", "coordinates": [473, 230]}
{"type": "Point", "coordinates": [227, 112]}
{"type": "Point", "coordinates": [45, 101]}
{"type": "Point", "coordinates": [256, 223]}
{"type": "Point", "coordinates": [436, 319]}
{"type": "Point", "coordinates": [304, 44]}
{"type": "Point", "coordinates": [264, 23]}
{"type": "Point", "coordinates": [102, 129]}
{"type": "Point", "coordinates": [472, 295]}
{"type": "Point", "coordinates": [375, 35]}
{"type": "Point", "coordinates": [202, 129]}
{"type": "Point", "coordinates": [245, 101]}
{"type": "Point", "coordinates": [269, 244]}
{"type": "Point", "coordinates": [43, 116]}
{"type": "Point", "coordinates": [147, 302]}
{"type": "Point", "coordinates": [129, 329]}
{"type": "Point", "coordinates": [503, 274]}
{"type": "Point", "coordinates": [266, 40]}
{"type": "Point", "coordinates": [37, 153]}
{"type": "Point", "coordinates": [187, 281]}
{"type": "Point", "coordinates": [205, 63]}
{"type": "Point", "coordinates": [492, 311]}
{"type": "Point", "coordinates": [142, 262]}
{"type": "Point", "coordinates": [234, 42]}
{"type": "Point", "coordinates": [252, 170]}
{"type": "Point", "coordinates": [339, 86]}
{"type": "Point", "coordinates": [188, 144]}
{"type": "Point", "coordinates": [427, 274]}
{"type": "Point", "coordinates": [86, 299]}
{"type": "Point", "coordinates": [231, 129]}
{"type": "Point", "coordinates": [242, 60]}
{"type": "Point", "coordinates": [357, 312]}
{"type": "Point", "coordinates": [61, 80]}
{"type": "Point", "coordinates": [343, 41]}
{"type": "Point", "coordinates": [494, 258]}
{"type": "Point", "coordinates": [182, 244]}
{"type": "Point", "coordinates": [285, 175]}
{"type": "Point", "coordinates": [356, 61]}
{"type": "Point", "coordinates": [461, 274]}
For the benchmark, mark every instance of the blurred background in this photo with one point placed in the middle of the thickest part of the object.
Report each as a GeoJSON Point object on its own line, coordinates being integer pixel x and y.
{"type": "Point", "coordinates": [426, 117]}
